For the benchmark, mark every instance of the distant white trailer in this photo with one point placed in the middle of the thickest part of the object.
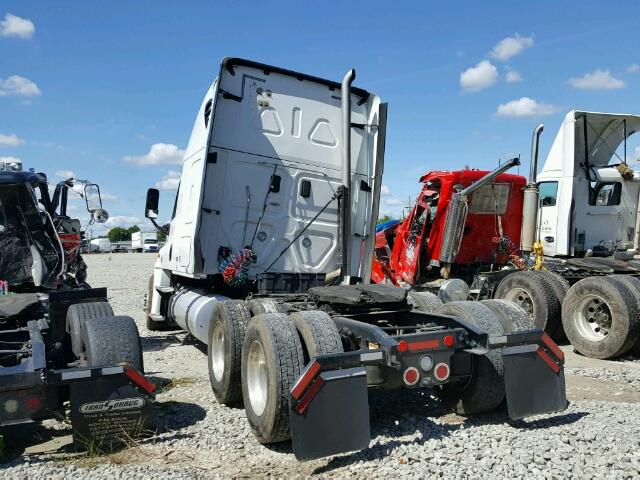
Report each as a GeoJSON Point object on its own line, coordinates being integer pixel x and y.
{"type": "Point", "coordinates": [146, 242]}
{"type": "Point", "coordinates": [99, 245]}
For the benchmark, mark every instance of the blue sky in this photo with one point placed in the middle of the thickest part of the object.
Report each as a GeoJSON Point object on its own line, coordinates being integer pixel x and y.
{"type": "Point", "coordinates": [91, 87]}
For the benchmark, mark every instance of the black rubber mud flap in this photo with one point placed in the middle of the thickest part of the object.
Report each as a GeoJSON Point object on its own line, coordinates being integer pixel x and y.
{"type": "Point", "coordinates": [329, 413]}
{"type": "Point", "coordinates": [109, 410]}
{"type": "Point", "coordinates": [534, 380]}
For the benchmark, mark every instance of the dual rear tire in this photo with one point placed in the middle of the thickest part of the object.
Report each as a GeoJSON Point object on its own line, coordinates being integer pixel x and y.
{"type": "Point", "coordinates": [257, 359]}
{"type": "Point", "coordinates": [540, 293]}
{"type": "Point", "coordinates": [601, 315]}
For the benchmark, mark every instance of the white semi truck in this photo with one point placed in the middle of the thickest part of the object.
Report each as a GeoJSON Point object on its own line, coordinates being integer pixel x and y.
{"type": "Point", "coordinates": [144, 242]}
{"type": "Point", "coordinates": [268, 259]}
{"type": "Point", "coordinates": [99, 245]}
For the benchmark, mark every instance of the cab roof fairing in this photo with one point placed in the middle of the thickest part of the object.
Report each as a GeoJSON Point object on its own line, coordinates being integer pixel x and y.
{"type": "Point", "coordinates": [605, 133]}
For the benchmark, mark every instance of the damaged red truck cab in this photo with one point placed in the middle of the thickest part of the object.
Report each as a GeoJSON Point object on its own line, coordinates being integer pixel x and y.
{"type": "Point", "coordinates": [410, 249]}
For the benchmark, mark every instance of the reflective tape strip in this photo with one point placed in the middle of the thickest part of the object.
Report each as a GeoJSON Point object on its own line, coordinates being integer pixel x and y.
{"type": "Point", "coordinates": [112, 370]}
{"type": "Point", "coordinates": [547, 359]}
{"type": "Point", "coordinates": [311, 393]}
{"type": "Point", "coordinates": [308, 375]}
{"type": "Point", "coordinates": [551, 345]}
{"type": "Point", "coordinates": [367, 357]}
{"type": "Point", "coordinates": [76, 374]}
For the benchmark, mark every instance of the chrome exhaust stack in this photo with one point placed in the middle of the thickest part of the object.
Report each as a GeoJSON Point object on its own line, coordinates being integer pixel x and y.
{"type": "Point", "coordinates": [457, 215]}
{"type": "Point", "coordinates": [345, 200]}
{"type": "Point", "coordinates": [530, 204]}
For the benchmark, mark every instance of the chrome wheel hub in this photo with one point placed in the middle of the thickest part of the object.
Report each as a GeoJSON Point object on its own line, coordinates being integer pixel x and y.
{"type": "Point", "coordinates": [593, 318]}
{"type": "Point", "coordinates": [217, 352]}
{"type": "Point", "coordinates": [257, 377]}
{"type": "Point", "coordinates": [522, 298]}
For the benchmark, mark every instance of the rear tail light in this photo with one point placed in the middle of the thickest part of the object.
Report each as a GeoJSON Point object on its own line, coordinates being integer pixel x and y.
{"type": "Point", "coordinates": [403, 346]}
{"type": "Point", "coordinates": [441, 372]}
{"type": "Point", "coordinates": [33, 403]}
{"type": "Point", "coordinates": [449, 340]}
{"type": "Point", "coordinates": [411, 376]}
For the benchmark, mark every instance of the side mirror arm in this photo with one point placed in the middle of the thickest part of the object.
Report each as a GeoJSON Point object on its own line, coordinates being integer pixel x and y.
{"type": "Point", "coordinates": [164, 229]}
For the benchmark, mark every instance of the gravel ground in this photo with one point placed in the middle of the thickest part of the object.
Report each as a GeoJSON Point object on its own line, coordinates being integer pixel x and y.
{"type": "Point", "coordinates": [598, 436]}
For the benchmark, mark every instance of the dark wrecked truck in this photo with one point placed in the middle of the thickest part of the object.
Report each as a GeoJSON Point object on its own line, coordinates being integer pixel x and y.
{"type": "Point", "coordinates": [63, 352]}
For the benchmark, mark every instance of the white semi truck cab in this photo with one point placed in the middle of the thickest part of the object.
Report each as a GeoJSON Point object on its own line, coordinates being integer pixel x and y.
{"type": "Point", "coordinates": [588, 196]}
{"type": "Point", "coordinates": [264, 168]}
{"type": "Point", "coordinates": [268, 260]}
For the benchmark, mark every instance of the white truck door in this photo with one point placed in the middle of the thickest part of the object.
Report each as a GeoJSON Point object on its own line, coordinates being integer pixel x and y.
{"type": "Point", "coordinates": [548, 217]}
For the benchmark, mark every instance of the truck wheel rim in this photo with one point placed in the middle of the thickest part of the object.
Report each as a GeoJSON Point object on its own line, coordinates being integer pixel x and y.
{"type": "Point", "coordinates": [257, 377]}
{"type": "Point", "coordinates": [522, 298]}
{"type": "Point", "coordinates": [217, 352]}
{"type": "Point", "coordinates": [593, 318]}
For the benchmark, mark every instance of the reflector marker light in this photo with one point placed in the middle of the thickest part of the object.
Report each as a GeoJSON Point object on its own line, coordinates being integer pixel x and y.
{"type": "Point", "coordinates": [449, 340]}
{"type": "Point", "coordinates": [403, 346]}
{"type": "Point", "coordinates": [424, 345]}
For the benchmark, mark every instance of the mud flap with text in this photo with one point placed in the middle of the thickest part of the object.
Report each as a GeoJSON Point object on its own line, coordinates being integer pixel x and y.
{"type": "Point", "coordinates": [534, 380]}
{"type": "Point", "coordinates": [107, 411]}
{"type": "Point", "coordinates": [330, 413]}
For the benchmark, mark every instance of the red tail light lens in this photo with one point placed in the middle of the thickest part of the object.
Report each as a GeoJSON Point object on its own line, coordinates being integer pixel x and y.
{"type": "Point", "coordinates": [441, 372]}
{"type": "Point", "coordinates": [33, 403]}
{"type": "Point", "coordinates": [411, 376]}
{"type": "Point", "coordinates": [402, 346]}
{"type": "Point", "coordinates": [449, 341]}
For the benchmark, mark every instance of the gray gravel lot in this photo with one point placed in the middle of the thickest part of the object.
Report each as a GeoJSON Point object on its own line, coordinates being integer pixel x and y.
{"type": "Point", "coordinates": [597, 436]}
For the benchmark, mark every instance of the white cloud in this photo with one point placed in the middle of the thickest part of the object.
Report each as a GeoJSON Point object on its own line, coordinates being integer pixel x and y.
{"type": "Point", "coordinates": [65, 174]}
{"type": "Point", "coordinates": [392, 202]}
{"type": "Point", "coordinates": [170, 181]}
{"type": "Point", "coordinates": [633, 68]}
{"type": "Point", "coordinates": [159, 154]}
{"type": "Point", "coordinates": [510, 47]}
{"type": "Point", "coordinates": [122, 221]}
{"type": "Point", "coordinates": [636, 154]}
{"type": "Point", "coordinates": [513, 76]}
{"type": "Point", "coordinates": [477, 78]}
{"type": "Point", "coordinates": [109, 197]}
{"type": "Point", "coordinates": [525, 107]}
{"type": "Point", "coordinates": [597, 80]}
{"type": "Point", "coordinates": [10, 140]}
{"type": "Point", "coordinates": [16, 85]}
{"type": "Point", "coordinates": [14, 26]}
{"type": "Point", "coordinates": [385, 191]}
